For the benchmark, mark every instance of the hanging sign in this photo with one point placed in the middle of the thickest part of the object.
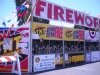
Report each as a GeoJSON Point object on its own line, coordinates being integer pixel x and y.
{"type": "Point", "coordinates": [46, 31]}
{"type": "Point", "coordinates": [48, 10]}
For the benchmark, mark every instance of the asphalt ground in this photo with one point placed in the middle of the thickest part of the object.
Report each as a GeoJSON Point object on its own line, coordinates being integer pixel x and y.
{"type": "Point", "coordinates": [87, 69]}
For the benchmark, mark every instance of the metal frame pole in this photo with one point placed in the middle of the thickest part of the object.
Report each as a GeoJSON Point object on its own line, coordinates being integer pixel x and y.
{"type": "Point", "coordinates": [63, 47]}
{"type": "Point", "coordinates": [30, 49]}
{"type": "Point", "coordinates": [99, 39]}
{"type": "Point", "coordinates": [84, 46]}
{"type": "Point", "coordinates": [63, 50]}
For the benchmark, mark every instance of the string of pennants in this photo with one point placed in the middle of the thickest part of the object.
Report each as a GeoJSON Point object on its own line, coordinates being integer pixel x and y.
{"type": "Point", "coordinates": [9, 19]}
{"type": "Point", "coordinates": [21, 11]}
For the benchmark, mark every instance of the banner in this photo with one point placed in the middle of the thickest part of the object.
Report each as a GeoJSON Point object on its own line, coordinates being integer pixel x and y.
{"type": "Point", "coordinates": [75, 58]}
{"type": "Point", "coordinates": [46, 31]}
{"type": "Point", "coordinates": [9, 43]}
{"type": "Point", "coordinates": [51, 11]}
{"type": "Point", "coordinates": [68, 34]}
{"type": "Point", "coordinates": [88, 57]}
{"type": "Point", "coordinates": [72, 34]}
{"type": "Point", "coordinates": [95, 56]}
{"type": "Point", "coordinates": [59, 60]}
{"type": "Point", "coordinates": [50, 32]}
{"type": "Point", "coordinates": [78, 34]}
{"type": "Point", "coordinates": [91, 35]}
{"type": "Point", "coordinates": [44, 62]}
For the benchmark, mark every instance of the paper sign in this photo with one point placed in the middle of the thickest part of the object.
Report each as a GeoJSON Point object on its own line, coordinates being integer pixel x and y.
{"type": "Point", "coordinates": [25, 39]}
{"type": "Point", "coordinates": [24, 51]}
{"type": "Point", "coordinates": [22, 45]}
{"type": "Point", "coordinates": [58, 58]}
{"type": "Point", "coordinates": [35, 36]}
{"type": "Point", "coordinates": [66, 57]}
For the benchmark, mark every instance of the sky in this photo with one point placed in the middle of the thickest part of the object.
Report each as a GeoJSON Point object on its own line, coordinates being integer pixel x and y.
{"type": "Point", "coordinates": [6, 8]}
{"type": "Point", "coordinates": [90, 6]}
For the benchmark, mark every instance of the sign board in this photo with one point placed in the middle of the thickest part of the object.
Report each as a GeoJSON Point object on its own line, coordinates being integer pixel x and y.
{"type": "Point", "coordinates": [44, 62]}
{"type": "Point", "coordinates": [88, 57]}
{"type": "Point", "coordinates": [74, 58]}
{"type": "Point", "coordinates": [25, 39]}
{"type": "Point", "coordinates": [22, 45]}
{"type": "Point", "coordinates": [95, 56]}
{"type": "Point", "coordinates": [48, 32]}
{"type": "Point", "coordinates": [35, 36]}
{"type": "Point", "coordinates": [48, 10]}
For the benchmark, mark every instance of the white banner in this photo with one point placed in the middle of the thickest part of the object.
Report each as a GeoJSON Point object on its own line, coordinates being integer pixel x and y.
{"type": "Point", "coordinates": [25, 39]}
{"type": "Point", "coordinates": [44, 62]}
{"type": "Point", "coordinates": [95, 56]}
{"type": "Point", "coordinates": [66, 57]}
{"type": "Point", "coordinates": [88, 57]}
{"type": "Point", "coordinates": [91, 35]}
{"type": "Point", "coordinates": [22, 45]}
{"type": "Point", "coordinates": [48, 10]}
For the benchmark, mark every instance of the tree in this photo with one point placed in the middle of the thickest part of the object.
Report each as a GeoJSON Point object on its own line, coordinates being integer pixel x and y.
{"type": "Point", "coordinates": [24, 18]}
{"type": "Point", "coordinates": [35, 19]}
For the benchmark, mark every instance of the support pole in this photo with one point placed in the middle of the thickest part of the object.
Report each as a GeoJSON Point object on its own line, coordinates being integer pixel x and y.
{"type": "Point", "coordinates": [30, 49]}
{"type": "Point", "coordinates": [63, 47]}
{"type": "Point", "coordinates": [33, 7]}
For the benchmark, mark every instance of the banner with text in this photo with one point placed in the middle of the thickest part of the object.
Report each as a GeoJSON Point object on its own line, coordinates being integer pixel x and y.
{"type": "Point", "coordinates": [44, 62]}
{"type": "Point", "coordinates": [88, 57]}
{"type": "Point", "coordinates": [51, 11]}
{"type": "Point", "coordinates": [72, 34]}
{"type": "Point", "coordinates": [95, 56]}
{"type": "Point", "coordinates": [46, 31]}
{"type": "Point", "coordinates": [75, 58]}
{"type": "Point", "coordinates": [52, 32]}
